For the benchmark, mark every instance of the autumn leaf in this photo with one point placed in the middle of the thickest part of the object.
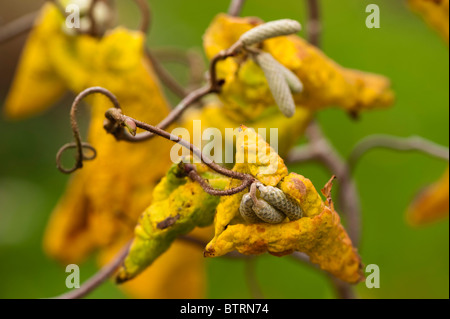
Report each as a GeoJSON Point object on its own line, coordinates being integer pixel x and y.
{"type": "Point", "coordinates": [431, 204]}
{"type": "Point", "coordinates": [117, 185]}
{"type": "Point", "coordinates": [325, 83]}
{"type": "Point", "coordinates": [36, 85]}
{"type": "Point", "coordinates": [179, 205]}
{"type": "Point", "coordinates": [103, 201]}
{"type": "Point", "coordinates": [434, 12]}
{"type": "Point", "coordinates": [319, 233]}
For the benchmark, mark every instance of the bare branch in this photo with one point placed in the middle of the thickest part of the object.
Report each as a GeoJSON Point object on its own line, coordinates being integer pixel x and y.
{"type": "Point", "coordinates": [213, 86]}
{"type": "Point", "coordinates": [100, 277]}
{"type": "Point", "coordinates": [314, 25]}
{"type": "Point", "coordinates": [413, 143]}
{"type": "Point", "coordinates": [191, 58]}
{"type": "Point", "coordinates": [252, 280]}
{"type": "Point", "coordinates": [236, 7]}
{"type": "Point", "coordinates": [17, 27]}
{"type": "Point", "coordinates": [145, 15]}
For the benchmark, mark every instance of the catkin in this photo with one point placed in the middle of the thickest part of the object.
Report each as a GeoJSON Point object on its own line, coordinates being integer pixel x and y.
{"type": "Point", "coordinates": [270, 30]}
{"type": "Point", "coordinates": [268, 213]}
{"type": "Point", "coordinates": [246, 210]}
{"type": "Point", "coordinates": [292, 80]}
{"type": "Point", "coordinates": [277, 82]}
{"type": "Point", "coordinates": [279, 200]}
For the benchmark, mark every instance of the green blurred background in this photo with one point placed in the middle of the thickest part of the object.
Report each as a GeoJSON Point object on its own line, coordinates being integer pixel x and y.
{"type": "Point", "coordinates": [414, 263]}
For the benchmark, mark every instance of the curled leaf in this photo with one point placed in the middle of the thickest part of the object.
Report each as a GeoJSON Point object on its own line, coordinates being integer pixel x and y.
{"type": "Point", "coordinates": [179, 205]}
{"type": "Point", "coordinates": [319, 233]}
{"type": "Point", "coordinates": [431, 204]}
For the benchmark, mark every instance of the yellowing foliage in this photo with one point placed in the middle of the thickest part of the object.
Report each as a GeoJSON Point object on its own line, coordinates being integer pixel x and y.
{"type": "Point", "coordinates": [36, 84]}
{"type": "Point", "coordinates": [431, 204]}
{"type": "Point", "coordinates": [247, 93]}
{"type": "Point", "coordinates": [103, 200]}
{"type": "Point", "coordinates": [435, 13]}
{"type": "Point", "coordinates": [320, 234]}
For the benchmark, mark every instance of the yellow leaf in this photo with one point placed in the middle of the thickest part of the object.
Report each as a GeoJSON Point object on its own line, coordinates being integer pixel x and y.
{"type": "Point", "coordinates": [434, 12]}
{"type": "Point", "coordinates": [319, 234]}
{"type": "Point", "coordinates": [178, 207]}
{"type": "Point", "coordinates": [104, 199]}
{"type": "Point", "coordinates": [215, 115]}
{"type": "Point", "coordinates": [36, 85]}
{"type": "Point", "coordinates": [431, 204]}
{"type": "Point", "coordinates": [325, 83]}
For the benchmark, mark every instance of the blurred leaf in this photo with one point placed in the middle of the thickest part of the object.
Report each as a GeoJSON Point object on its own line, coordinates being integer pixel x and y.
{"type": "Point", "coordinates": [431, 204]}
{"type": "Point", "coordinates": [434, 12]}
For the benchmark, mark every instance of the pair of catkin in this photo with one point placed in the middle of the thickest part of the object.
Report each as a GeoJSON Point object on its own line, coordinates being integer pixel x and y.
{"type": "Point", "coordinates": [282, 81]}
{"type": "Point", "coordinates": [273, 207]}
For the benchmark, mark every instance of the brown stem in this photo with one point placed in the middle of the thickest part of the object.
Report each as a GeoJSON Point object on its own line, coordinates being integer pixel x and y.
{"type": "Point", "coordinates": [193, 174]}
{"type": "Point", "coordinates": [76, 131]}
{"type": "Point", "coordinates": [213, 86]}
{"type": "Point", "coordinates": [145, 15]}
{"type": "Point", "coordinates": [17, 27]}
{"type": "Point", "coordinates": [235, 7]}
{"type": "Point", "coordinates": [115, 116]}
{"type": "Point", "coordinates": [165, 76]}
{"type": "Point", "coordinates": [192, 59]}
{"type": "Point", "coordinates": [252, 280]}
{"type": "Point", "coordinates": [413, 143]}
{"type": "Point", "coordinates": [100, 277]}
{"type": "Point", "coordinates": [59, 6]}
{"type": "Point", "coordinates": [314, 25]}
{"type": "Point", "coordinates": [320, 149]}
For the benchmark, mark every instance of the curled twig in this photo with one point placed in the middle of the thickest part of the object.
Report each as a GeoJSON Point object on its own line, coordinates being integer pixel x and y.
{"type": "Point", "coordinates": [80, 157]}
